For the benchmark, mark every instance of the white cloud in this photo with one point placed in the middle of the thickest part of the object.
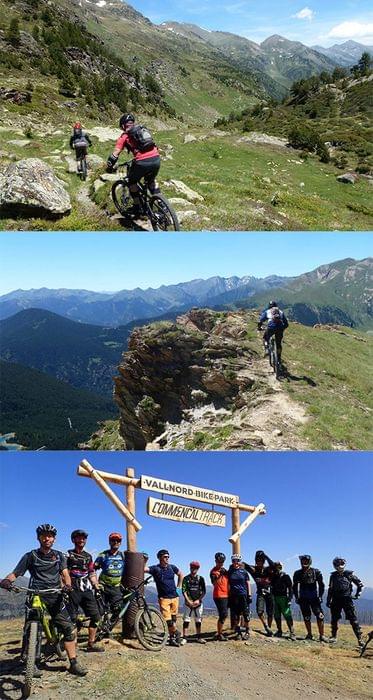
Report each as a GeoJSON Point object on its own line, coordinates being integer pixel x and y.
{"type": "Point", "coordinates": [352, 30]}
{"type": "Point", "coordinates": [306, 13]}
{"type": "Point", "coordinates": [3, 525]}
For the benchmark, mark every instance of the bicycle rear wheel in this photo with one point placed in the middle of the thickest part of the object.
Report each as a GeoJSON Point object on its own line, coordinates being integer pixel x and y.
{"type": "Point", "coordinates": [31, 649]}
{"type": "Point", "coordinates": [150, 628]}
{"type": "Point", "coordinates": [163, 216]}
{"type": "Point", "coordinates": [121, 197]}
{"type": "Point", "coordinates": [83, 169]}
{"type": "Point", "coordinates": [276, 364]}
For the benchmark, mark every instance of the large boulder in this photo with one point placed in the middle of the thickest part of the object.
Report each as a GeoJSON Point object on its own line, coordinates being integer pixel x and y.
{"type": "Point", "coordinates": [29, 187]}
{"type": "Point", "coordinates": [181, 188]}
{"type": "Point", "coordinates": [348, 178]}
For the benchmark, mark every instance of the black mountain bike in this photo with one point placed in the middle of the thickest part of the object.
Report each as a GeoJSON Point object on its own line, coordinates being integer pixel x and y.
{"type": "Point", "coordinates": [155, 207]}
{"type": "Point", "coordinates": [150, 627]}
{"type": "Point", "coordinates": [82, 167]}
{"type": "Point", "coordinates": [273, 356]}
{"type": "Point", "coordinates": [37, 624]}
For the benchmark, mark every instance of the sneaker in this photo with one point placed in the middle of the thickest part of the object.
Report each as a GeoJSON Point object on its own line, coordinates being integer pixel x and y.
{"type": "Point", "coordinates": [323, 639]}
{"type": "Point", "coordinates": [292, 637]}
{"type": "Point", "coordinates": [95, 648]}
{"type": "Point", "coordinates": [221, 638]}
{"type": "Point", "coordinates": [278, 634]}
{"type": "Point", "coordinates": [173, 642]}
{"type": "Point", "coordinates": [332, 640]}
{"type": "Point", "coordinates": [360, 642]}
{"type": "Point", "coordinates": [182, 641]}
{"type": "Point", "coordinates": [37, 672]}
{"type": "Point", "coordinates": [309, 637]}
{"type": "Point", "coordinates": [246, 635]}
{"type": "Point", "coordinates": [200, 640]}
{"type": "Point", "coordinates": [269, 632]}
{"type": "Point", "coordinates": [238, 637]}
{"type": "Point", "coordinates": [77, 670]}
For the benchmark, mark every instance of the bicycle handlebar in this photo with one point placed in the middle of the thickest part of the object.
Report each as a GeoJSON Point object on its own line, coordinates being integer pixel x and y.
{"type": "Point", "coordinates": [35, 590]}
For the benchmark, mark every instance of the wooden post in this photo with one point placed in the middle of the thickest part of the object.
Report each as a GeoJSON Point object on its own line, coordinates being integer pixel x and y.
{"type": "Point", "coordinates": [236, 545]}
{"type": "Point", "coordinates": [259, 510]}
{"type": "Point", "coordinates": [131, 505]}
{"type": "Point", "coordinates": [111, 495]}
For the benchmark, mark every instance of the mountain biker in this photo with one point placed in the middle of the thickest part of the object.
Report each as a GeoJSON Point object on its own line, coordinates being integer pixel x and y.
{"type": "Point", "coordinates": [239, 595]}
{"type": "Point", "coordinates": [48, 569]}
{"type": "Point", "coordinates": [146, 163]}
{"type": "Point", "coordinates": [308, 589]}
{"type": "Point", "coordinates": [194, 590]}
{"type": "Point", "coordinates": [168, 595]}
{"type": "Point", "coordinates": [79, 140]}
{"type": "Point", "coordinates": [262, 575]}
{"type": "Point", "coordinates": [84, 581]}
{"type": "Point", "coordinates": [220, 592]}
{"type": "Point", "coordinates": [276, 324]}
{"type": "Point", "coordinates": [111, 563]}
{"type": "Point", "coordinates": [340, 598]}
{"type": "Point", "coordinates": [282, 590]}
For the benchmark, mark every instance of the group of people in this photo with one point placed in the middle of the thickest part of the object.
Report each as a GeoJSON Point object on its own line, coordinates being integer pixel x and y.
{"type": "Point", "coordinates": [136, 139]}
{"type": "Point", "coordinates": [73, 578]}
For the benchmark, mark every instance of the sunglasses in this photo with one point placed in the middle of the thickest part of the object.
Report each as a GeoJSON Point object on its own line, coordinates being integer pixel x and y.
{"type": "Point", "coordinates": [115, 540]}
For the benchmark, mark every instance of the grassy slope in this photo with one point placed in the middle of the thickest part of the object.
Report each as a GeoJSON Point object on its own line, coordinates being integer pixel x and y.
{"type": "Point", "coordinates": [329, 375]}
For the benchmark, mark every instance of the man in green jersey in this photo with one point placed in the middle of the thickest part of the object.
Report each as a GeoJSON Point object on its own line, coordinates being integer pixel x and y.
{"type": "Point", "coordinates": [111, 563]}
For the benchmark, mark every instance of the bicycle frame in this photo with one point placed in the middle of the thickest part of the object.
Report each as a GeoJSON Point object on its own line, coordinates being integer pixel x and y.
{"type": "Point", "coordinates": [38, 611]}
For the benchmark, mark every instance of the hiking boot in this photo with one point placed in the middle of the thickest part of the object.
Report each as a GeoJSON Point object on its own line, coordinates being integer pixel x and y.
{"type": "Point", "coordinates": [269, 632]}
{"type": "Point", "coordinates": [323, 639]}
{"type": "Point", "coordinates": [309, 638]}
{"type": "Point", "coordinates": [200, 640]}
{"type": "Point", "coordinates": [77, 670]}
{"type": "Point", "coordinates": [278, 634]}
{"type": "Point", "coordinates": [95, 647]}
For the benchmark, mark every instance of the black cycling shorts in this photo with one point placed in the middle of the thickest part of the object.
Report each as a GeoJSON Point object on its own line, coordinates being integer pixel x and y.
{"type": "Point", "coordinates": [80, 152]}
{"type": "Point", "coordinates": [147, 168]}
{"type": "Point", "coordinates": [87, 601]}
{"type": "Point", "coordinates": [59, 613]}
{"type": "Point", "coordinates": [346, 604]}
{"type": "Point", "coordinates": [222, 606]}
{"type": "Point", "coordinates": [113, 596]}
{"type": "Point", "coordinates": [307, 606]}
{"type": "Point", "coordinates": [264, 603]}
{"type": "Point", "coordinates": [239, 606]}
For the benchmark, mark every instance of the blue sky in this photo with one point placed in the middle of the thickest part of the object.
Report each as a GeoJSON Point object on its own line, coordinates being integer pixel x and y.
{"type": "Point", "coordinates": [313, 22]}
{"type": "Point", "coordinates": [113, 261]}
{"type": "Point", "coordinates": [317, 503]}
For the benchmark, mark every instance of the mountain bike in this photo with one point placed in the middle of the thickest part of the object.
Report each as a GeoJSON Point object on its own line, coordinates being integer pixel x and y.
{"type": "Point", "coordinates": [82, 168]}
{"type": "Point", "coordinates": [273, 356]}
{"type": "Point", "coordinates": [150, 627]}
{"type": "Point", "coordinates": [365, 646]}
{"type": "Point", "coordinates": [37, 623]}
{"type": "Point", "coordinates": [155, 207]}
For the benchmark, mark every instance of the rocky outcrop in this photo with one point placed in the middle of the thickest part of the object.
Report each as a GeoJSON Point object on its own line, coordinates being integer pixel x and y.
{"type": "Point", "coordinates": [348, 178]}
{"type": "Point", "coordinates": [195, 384]}
{"type": "Point", "coordinates": [29, 187]}
{"type": "Point", "coordinates": [18, 97]}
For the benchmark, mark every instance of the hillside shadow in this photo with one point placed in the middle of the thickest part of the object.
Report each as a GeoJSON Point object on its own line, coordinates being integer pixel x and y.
{"type": "Point", "coordinates": [9, 683]}
{"type": "Point", "coordinates": [285, 374]}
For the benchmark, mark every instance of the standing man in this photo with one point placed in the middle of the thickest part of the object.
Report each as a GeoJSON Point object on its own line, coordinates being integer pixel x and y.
{"type": "Point", "coordinates": [194, 590]}
{"type": "Point", "coordinates": [262, 576]}
{"type": "Point", "coordinates": [168, 595]}
{"type": "Point", "coordinates": [84, 582]}
{"type": "Point", "coordinates": [282, 589]}
{"type": "Point", "coordinates": [308, 589]}
{"type": "Point", "coordinates": [239, 595]}
{"type": "Point", "coordinates": [47, 568]}
{"type": "Point", "coordinates": [111, 563]}
{"type": "Point", "coordinates": [220, 583]}
{"type": "Point", "coordinates": [340, 598]}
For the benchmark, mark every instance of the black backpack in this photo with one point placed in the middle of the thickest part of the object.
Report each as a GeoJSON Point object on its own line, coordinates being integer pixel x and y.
{"type": "Point", "coordinates": [276, 315]}
{"type": "Point", "coordinates": [142, 138]}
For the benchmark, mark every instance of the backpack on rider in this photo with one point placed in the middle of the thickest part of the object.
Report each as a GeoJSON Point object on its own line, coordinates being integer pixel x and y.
{"type": "Point", "coordinates": [142, 138]}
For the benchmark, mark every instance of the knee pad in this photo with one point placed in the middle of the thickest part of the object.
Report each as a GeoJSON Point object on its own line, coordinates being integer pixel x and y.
{"type": "Point", "coordinates": [320, 616]}
{"type": "Point", "coordinates": [69, 633]}
{"type": "Point", "coordinates": [307, 619]}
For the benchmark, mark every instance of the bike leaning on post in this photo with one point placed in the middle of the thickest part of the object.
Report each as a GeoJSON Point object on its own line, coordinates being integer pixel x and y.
{"type": "Point", "coordinates": [155, 207]}
{"type": "Point", "coordinates": [149, 625]}
{"type": "Point", "coordinates": [37, 624]}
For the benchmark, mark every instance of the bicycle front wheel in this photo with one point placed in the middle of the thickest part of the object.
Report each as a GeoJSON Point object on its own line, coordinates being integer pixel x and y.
{"type": "Point", "coordinates": [151, 628]}
{"type": "Point", "coordinates": [121, 197]}
{"type": "Point", "coordinates": [163, 216]}
{"type": "Point", "coordinates": [31, 648]}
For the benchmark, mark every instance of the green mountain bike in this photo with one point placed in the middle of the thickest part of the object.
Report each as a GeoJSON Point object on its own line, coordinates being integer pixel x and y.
{"type": "Point", "coordinates": [154, 207]}
{"type": "Point", "coordinates": [150, 627]}
{"type": "Point", "coordinates": [37, 624]}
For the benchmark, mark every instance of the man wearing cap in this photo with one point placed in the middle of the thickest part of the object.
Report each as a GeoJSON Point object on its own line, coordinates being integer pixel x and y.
{"type": "Point", "coordinates": [84, 582]}
{"type": "Point", "coordinates": [194, 590]}
{"type": "Point", "coordinates": [111, 563]}
{"type": "Point", "coordinates": [168, 595]}
{"type": "Point", "coordinates": [239, 595]}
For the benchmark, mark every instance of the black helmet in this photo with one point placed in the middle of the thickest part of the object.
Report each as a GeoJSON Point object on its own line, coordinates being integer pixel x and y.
{"type": "Point", "coordinates": [125, 118]}
{"type": "Point", "coordinates": [272, 304]}
{"type": "Point", "coordinates": [162, 552]}
{"type": "Point", "coordinates": [46, 529]}
{"type": "Point", "coordinates": [219, 556]}
{"type": "Point", "coordinates": [306, 559]}
{"type": "Point", "coordinates": [338, 561]}
{"type": "Point", "coordinates": [78, 533]}
{"type": "Point", "coordinates": [259, 555]}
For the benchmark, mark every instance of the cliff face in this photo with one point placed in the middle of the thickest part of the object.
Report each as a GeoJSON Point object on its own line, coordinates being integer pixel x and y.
{"type": "Point", "coordinates": [196, 384]}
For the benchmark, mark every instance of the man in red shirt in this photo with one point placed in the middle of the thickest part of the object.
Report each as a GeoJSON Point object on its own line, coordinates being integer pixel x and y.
{"type": "Point", "coordinates": [219, 580]}
{"type": "Point", "coordinates": [146, 162]}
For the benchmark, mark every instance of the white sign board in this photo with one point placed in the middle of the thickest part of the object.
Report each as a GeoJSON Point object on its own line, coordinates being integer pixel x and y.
{"type": "Point", "coordinates": [184, 513]}
{"type": "Point", "coordinates": [194, 493]}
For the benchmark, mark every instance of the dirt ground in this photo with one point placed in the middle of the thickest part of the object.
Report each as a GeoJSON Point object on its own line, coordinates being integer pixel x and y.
{"type": "Point", "coordinates": [263, 667]}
